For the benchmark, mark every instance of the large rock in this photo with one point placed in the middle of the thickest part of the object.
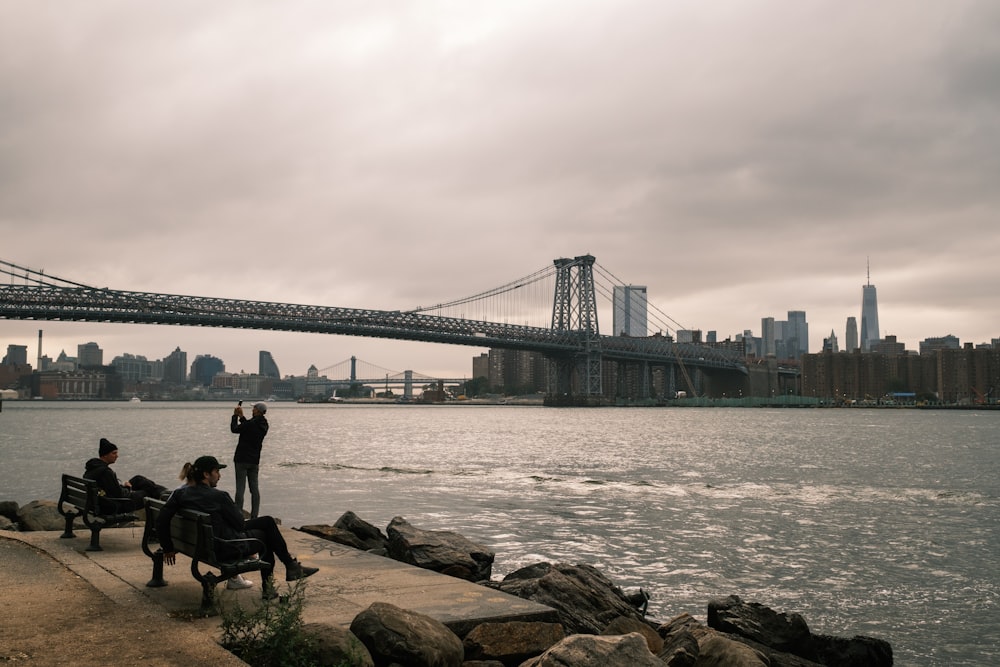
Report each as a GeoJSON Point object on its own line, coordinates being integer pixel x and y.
{"type": "Point", "coordinates": [8, 508]}
{"type": "Point", "coordinates": [7, 524]}
{"type": "Point", "coordinates": [716, 650]}
{"type": "Point", "coordinates": [858, 651]}
{"type": "Point", "coordinates": [350, 531]}
{"type": "Point", "coordinates": [41, 515]}
{"type": "Point", "coordinates": [439, 550]}
{"type": "Point", "coordinates": [334, 646]}
{"type": "Point", "coordinates": [780, 631]}
{"type": "Point", "coordinates": [626, 625]}
{"type": "Point", "coordinates": [786, 641]}
{"type": "Point", "coordinates": [584, 599]}
{"type": "Point", "coordinates": [680, 645]}
{"type": "Point", "coordinates": [511, 643]}
{"type": "Point", "coordinates": [399, 636]}
{"type": "Point", "coordinates": [366, 533]}
{"type": "Point", "coordinates": [593, 651]}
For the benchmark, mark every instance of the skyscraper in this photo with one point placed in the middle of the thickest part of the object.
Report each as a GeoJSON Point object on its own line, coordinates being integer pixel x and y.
{"type": "Point", "coordinates": [869, 316]}
{"type": "Point", "coordinates": [266, 365]}
{"type": "Point", "coordinates": [797, 334]}
{"type": "Point", "coordinates": [175, 366]}
{"type": "Point", "coordinates": [629, 316]}
{"type": "Point", "coordinates": [851, 340]}
{"type": "Point", "coordinates": [768, 337]}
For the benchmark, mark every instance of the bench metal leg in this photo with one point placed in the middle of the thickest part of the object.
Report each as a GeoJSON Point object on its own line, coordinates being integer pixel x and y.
{"type": "Point", "coordinates": [95, 540]}
{"type": "Point", "coordinates": [208, 595]}
{"type": "Point", "coordinates": [157, 581]}
{"type": "Point", "coordinates": [69, 526]}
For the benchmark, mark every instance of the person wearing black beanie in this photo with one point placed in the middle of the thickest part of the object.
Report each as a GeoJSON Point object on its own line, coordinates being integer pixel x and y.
{"type": "Point", "coordinates": [115, 496]}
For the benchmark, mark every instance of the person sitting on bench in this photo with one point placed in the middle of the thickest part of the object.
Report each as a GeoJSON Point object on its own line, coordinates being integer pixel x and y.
{"type": "Point", "coordinates": [228, 524]}
{"type": "Point", "coordinates": [120, 497]}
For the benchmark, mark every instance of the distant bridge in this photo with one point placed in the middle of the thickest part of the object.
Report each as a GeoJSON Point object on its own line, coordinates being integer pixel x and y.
{"type": "Point", "coordinates": [354, 371]}
{"type": "Point", "coordinates": [572, 341]}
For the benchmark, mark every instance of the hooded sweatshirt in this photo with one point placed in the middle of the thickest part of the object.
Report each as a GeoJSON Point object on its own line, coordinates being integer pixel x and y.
{"type": "Point", "coordinates": [107, 481]}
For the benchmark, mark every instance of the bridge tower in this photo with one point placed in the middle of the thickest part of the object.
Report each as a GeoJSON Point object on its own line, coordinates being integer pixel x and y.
{"type": "Point", "coordinates": [574, 310]}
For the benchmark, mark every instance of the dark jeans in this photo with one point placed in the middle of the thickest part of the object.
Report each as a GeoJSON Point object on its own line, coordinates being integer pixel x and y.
{"type": "Point", "coordinates": [266, 530]}
{"type": "Point", "coordinates": [142, 488]}
{"type": "Point", "coordinates": [246, 475]}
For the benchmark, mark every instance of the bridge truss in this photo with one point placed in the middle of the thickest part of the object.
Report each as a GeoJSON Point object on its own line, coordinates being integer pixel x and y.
{"type": "Point", "coordinates": [573, 342]}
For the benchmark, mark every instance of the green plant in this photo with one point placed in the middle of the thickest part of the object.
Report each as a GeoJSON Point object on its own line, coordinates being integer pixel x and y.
{"type": "Point", "coordinates": [270, 635]}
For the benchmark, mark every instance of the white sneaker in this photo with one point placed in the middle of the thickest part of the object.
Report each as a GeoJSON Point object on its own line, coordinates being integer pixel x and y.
{"type": "Point", "coordinates": [238, 583]}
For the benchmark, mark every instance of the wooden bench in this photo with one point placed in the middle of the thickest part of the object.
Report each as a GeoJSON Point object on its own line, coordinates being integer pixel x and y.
{"type": "Point", "coordinates": [192, 535]}
{"type": "Point", "coordinates": [80, 497]}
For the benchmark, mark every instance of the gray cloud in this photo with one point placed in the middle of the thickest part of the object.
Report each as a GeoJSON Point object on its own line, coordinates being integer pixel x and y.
{"type": "Point", "coordinates": [740, 160]}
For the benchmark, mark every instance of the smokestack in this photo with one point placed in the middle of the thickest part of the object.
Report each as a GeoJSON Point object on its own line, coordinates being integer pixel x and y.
{"type": "Point", "coordinates": [38, 365]}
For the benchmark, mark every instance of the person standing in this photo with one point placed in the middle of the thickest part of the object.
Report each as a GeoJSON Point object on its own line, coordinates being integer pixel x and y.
{"type": "Point", "coordinates": [246, 460]}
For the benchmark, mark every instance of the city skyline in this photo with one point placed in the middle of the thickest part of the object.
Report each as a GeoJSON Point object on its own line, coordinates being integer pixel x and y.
{"type": "Point", "coordinates": [740, 160]}
{"type": "Point", "coordinates": [793, 327]}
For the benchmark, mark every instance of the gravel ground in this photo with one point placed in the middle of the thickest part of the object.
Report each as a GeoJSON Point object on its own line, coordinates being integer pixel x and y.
{"type": "Point", "coordinates": [51, 616]}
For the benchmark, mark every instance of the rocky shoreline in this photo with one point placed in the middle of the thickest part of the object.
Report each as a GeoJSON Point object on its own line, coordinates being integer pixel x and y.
{"type": "Point", "coordinates": [597, 623]}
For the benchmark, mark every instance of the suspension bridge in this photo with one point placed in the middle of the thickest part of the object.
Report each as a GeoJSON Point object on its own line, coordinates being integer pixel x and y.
{"type": "Point", "coordinates": [552, 311]}
{"type": "Point", "coordinates": [359, 371]}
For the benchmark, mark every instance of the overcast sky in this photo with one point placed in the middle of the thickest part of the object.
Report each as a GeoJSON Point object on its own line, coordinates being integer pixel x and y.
{"type": "Point", "coordinates": [741, 159]}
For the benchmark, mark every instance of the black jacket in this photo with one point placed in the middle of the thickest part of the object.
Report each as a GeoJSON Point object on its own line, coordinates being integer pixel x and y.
{"type": "Point", "coordinates": [227, 520]}
{"type": "Point", "coordinates": [252, 432]}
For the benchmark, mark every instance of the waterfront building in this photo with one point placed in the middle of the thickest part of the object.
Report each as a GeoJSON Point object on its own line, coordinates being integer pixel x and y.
{"type": "Point", "coordinates": [517, 371]}
{"type": "Point", "coordinates": [629, 310]}
{"type": "Point", "coordinates": [85, 384]}
{"type": "Point", "coordinates": [965, 376]}
{"type": "Point", "coordinates": [851, 339]}
{"type": "Point", "coordinates": [133, 368]}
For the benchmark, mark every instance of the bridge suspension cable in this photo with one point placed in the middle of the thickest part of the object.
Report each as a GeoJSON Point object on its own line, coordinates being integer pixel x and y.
{"type": "Point", "coordinates": [660, 318]}
{"type": "Point", "coordinates": [35, 276]}
{"type": "Point", "coordinates": [529, 279]}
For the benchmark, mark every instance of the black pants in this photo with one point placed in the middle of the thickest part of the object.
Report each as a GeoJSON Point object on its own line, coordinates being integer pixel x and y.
{"type": "Point", "coordinates": [266, 530]}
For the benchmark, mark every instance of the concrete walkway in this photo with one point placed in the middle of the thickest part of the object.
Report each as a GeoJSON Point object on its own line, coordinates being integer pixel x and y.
{"type": "Point", "coordinates": [348, 582]}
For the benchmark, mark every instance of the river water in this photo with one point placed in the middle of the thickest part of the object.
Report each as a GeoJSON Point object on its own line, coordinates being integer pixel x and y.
{"type": "Point", "coordinates": [872, 522]}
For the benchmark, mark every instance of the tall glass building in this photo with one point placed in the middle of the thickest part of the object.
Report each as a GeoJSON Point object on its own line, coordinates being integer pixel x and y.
{"type": "Point", "coordinates": [851, 340]}
{"type": "Point", "coordinates": [797, 334]}
{"type": "Point", "coordinates": [869, 317]}
{"type": "Point", "coordinates": [629, 316]}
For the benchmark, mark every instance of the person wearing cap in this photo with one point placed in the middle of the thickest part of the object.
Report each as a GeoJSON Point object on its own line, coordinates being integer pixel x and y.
{"type": "Point", "coordinates": [115, 495]}
{"type": "Point", "coordinates": [228, 524]}
{"type": "Point", "coordinates": [246, 459]}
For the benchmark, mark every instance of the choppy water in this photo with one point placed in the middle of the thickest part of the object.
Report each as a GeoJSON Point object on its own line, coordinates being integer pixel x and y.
{"type": "Point", "coordinates": [874, 522]}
